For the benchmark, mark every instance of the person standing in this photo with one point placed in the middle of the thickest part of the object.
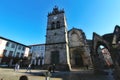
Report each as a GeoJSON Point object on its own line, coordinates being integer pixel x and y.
{"type": "Point", "coordinates": [29, 68]}
{"type": "Point", "coordinates": [53, 68]}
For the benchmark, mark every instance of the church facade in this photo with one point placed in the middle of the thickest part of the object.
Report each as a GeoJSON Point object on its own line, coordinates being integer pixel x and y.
{"type": "Point", "coordinates": [66, 49]}
{"type": "Point", "coordinates": [78, 48]}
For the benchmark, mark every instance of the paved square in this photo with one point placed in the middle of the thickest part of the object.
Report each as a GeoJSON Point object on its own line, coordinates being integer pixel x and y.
{"type": "Point", "coordinates": [10, 74]}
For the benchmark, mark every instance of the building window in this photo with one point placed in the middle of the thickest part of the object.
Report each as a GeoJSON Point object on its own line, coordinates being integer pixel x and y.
{"type": "Point", "coordinates": [41, 54]}
{"type": "Point", "coordinates": [22, 54]}
{"type": "Point", "coordinates": [4, 52]}
{"type": "Point", "coordinates": [19, 47]}
{"type": "Point", "coordinates": [58, 24]}
{"type": "Point", "coordinates": [13, 45]}
{"type": "Point", "coordinates": [42, 48]}
{"type": "Point", "coordinates": [10, 54]}
{"type": "Point", "coordinates": [18, 54]}
{"type": "Point", "coordinates": [23, 48]}
{"type": "Point", "coordinates": [52, 25]}
{"type": "Point", "coordinates": [7, 44]}
{"type": "Point", "coordinates": [38, 47]}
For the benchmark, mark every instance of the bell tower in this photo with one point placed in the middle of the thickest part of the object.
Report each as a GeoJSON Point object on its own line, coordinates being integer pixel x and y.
{"type": "Point", "coordinates": [56, 50]}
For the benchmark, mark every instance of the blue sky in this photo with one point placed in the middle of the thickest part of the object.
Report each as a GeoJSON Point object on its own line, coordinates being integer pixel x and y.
{"type": "Point", "coordinates": [25, 21]}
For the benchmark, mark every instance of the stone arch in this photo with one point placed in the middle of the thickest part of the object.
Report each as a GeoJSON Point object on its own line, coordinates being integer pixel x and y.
{"type": "Point", "coordinates": [75, 37]}
{"type": "Point", "coordinates": [97, 41]}
{"type": "Point", "coordinates": [78, 61]}
{"type": "Point", "coordinates": [101, 43]}
{"type": "Point", "coordinates": [76, 58]}
{"type": "Point", "coordinates": [111, 42]}
{"type": "Point", "coordinates": [75, 31]}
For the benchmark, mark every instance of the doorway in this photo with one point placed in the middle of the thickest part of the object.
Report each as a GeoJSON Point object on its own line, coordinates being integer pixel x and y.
{"type": "Point", "coordinates": [55, 57]}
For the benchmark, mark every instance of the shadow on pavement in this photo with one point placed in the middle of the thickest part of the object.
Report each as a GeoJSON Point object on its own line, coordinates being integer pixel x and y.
{"type": "Point", "coordinates": [81, 75]}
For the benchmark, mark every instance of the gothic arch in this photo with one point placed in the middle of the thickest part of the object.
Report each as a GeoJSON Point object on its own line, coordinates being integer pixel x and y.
{"type": "Point", "coordinates": [111, 42]}
{"type": "Point", "coordinates": [78, 32]}
{"type": "Point", "coordinates": [97, 41]}
{"type": "Point", "coordinates": [75, 37]}
{"type": "Point", "coordinates": [76, 58]}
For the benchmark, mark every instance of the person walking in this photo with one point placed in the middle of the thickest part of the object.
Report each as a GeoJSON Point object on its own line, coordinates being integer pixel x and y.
{"type": "Point", "coordinates": [53, 68]}
{"type": "Point", "coordinates": [17, 66]}
{"type": "Point", "coordinates": [29, 68]}
{"type": "Point", "coordinates": [50, 68]}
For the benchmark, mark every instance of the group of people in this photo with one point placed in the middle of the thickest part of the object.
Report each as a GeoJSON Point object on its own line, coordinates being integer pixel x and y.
{"type": "Point", "coordinates": [17, 67]}
{"type": "Point", "coordinates": [51, 68]}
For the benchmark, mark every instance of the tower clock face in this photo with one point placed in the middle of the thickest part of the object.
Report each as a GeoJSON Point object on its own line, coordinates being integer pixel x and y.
{"type": "Point", "coordinates": [55, 17]}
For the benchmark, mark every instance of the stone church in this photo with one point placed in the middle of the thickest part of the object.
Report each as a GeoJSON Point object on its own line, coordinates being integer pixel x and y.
{"type": "Point", "coordinates": [66, 49]}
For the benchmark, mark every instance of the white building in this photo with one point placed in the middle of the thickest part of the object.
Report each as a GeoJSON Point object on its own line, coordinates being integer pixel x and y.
{"type": "Point", "coordinates": [38, 52]}
{"type": "Point", "coordinates": [10, 49]}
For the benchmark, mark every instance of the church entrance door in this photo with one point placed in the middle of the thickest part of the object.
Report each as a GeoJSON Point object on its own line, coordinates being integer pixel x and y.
{"type": "Point", "coordinates": [78, 60]}
{"type": "Point", "coordinates": [55, 57]}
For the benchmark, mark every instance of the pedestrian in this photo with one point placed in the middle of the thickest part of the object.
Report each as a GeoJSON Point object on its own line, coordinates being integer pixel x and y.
{"type": "Point", "coordinates": [50, 68]}
{"type": "Point", "coordinates": [53, 68]}
{"type": "Point", "coordinates": [29, 68]}
{"type": "Point", "coordinates": [17, 66]}
{"type": "Point", "coordinates": [23, 77]}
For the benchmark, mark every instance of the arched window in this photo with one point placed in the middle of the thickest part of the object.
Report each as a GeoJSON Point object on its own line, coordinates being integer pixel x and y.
{"type": "Point", "coordinates": [58, 24]}
{"type": "Point", "coordinates": [52, 25]}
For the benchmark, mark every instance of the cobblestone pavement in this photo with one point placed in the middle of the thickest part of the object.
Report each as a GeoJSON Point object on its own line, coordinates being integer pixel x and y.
{"type": "Point", "coordinates": [9, 74]}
